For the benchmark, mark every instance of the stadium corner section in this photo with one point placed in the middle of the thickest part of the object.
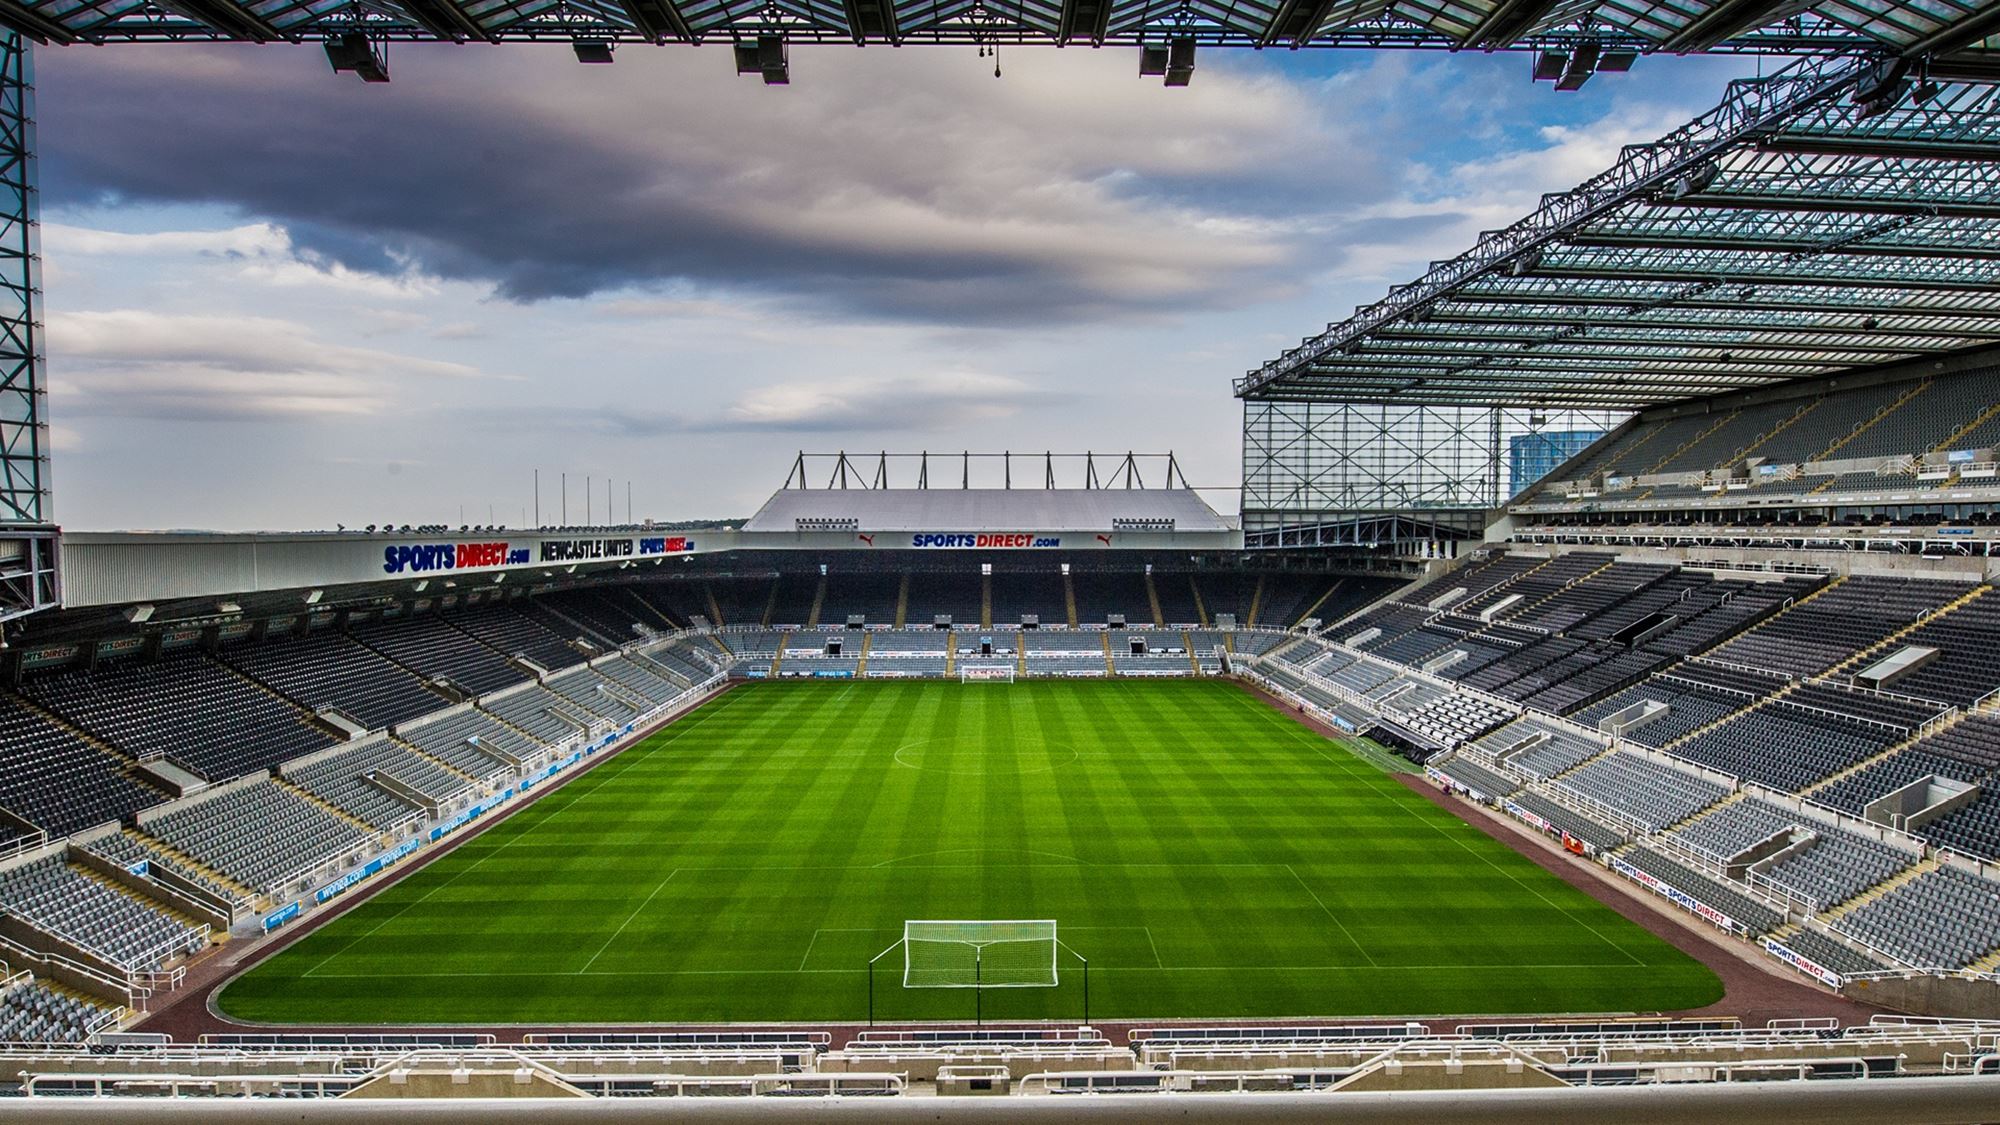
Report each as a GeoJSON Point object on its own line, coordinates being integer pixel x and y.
{"type": "Point", "coordinates": [287, 924]}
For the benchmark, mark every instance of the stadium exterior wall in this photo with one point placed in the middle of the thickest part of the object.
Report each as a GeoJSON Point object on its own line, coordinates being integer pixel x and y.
{"type": "Point", "coordinates": [117, 568]}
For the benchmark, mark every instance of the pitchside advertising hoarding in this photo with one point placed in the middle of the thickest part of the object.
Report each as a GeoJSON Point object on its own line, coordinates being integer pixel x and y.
{"type": "Point", "coordinates": [427, 558]}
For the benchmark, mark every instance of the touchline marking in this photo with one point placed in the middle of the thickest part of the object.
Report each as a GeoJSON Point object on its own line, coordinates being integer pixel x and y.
{"type": "Point", "coordinates": [636, 911]}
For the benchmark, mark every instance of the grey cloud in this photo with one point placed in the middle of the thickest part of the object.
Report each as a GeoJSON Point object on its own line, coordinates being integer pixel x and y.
{"type": "Point", "coordinates": [894, 188]}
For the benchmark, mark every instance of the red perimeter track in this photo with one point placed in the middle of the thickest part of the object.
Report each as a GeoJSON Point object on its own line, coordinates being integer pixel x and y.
{"type": "Point", "coordinates": [1755, 987]}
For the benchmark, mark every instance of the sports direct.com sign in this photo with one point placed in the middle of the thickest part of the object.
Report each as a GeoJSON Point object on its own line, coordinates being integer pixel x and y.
{"type": "Point", "coordinates": [985, 540]}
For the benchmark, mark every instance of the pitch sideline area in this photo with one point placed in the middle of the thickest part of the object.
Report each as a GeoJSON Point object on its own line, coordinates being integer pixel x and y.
{"type": "Point", "coordinates": [1208, 855]}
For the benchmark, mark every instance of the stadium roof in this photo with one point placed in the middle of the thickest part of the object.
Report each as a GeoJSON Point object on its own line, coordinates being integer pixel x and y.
{"type": "Point", "coordinates": [1841, 214]}
{"type": "Point", "coordinates": [1911, 27]}
{"type": "Point", "coordinates": [960, 510]}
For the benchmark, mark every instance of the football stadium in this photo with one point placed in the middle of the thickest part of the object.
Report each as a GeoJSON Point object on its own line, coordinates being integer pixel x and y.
{"type": "Point", "coordinates": [1582, 711]}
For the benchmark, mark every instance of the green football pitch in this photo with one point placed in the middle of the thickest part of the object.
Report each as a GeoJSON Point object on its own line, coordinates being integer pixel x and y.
{"type": "Point", "coordinates": [1208, 856]}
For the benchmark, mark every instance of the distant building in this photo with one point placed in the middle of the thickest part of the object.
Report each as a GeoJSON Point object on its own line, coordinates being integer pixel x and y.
{"type": "Point", "coordinates": [1534, 456]}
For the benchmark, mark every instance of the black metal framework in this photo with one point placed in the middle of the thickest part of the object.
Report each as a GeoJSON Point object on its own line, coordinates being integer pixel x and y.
{"type": "Point", "coordinates": [1840, 214]}
{"type": "Point", "coordinates": [28, 547]}
{"type": "Point", "coordinates": [1584, 34]}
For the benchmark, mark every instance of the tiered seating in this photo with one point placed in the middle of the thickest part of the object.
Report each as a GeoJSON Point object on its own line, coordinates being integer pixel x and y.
{"type": "Point", "coordinates": [451, 739]}
{"type": "Point", "coordinates": [127, 851]}
{"type": "Point", "coordinates": [1834, 954]}
{"type": "Point", "coordinates": [326, 669]}
{"type": "Point", "coordinates": [1537, 586]}
{"type": "Point", "coordinates": [84, 912]}
{"type": "Point", "coordinates": [1569, 820]}
{"type": "Point", "coordinates": [1176, 596]}
{"type": "Point", "coordinates": [1968, 750]}
{"type": "Point", "coordinates": [51, 777]}
{"type": "Point", "coordinates": [1256, 644]}
{"type": "Point", "coordinates": [604, 617]}
{"type": "Point", "coordinates": [1487, 780]}
{"type": "Point", "coordinates": [1785, 747]}
{"type": "Point", "coordinates": [1015, 594]}
{"type": "Point", "coordinates": [1653, 794]}
{"type": "Point", "coordinates": [185, 707]}
{"type": "Point", "coordinates": [1586, 677]}
{"type": "Point", "coordinates": [1735, 827]}
{"type": "Point", "coordinates": [1390, 621]}
{"type": "Point", "coordinates": [639, 679]}
{"type": "Point", "coordinates": [1555, 749]}
{"type": "Point", "coordinates": [741, 600]}
{"type": "Point", "coordinates": [342, 780]}
{"type": "Point", "coordinates": [1815, 635]}
{"type": "Point", "coordinates": [1475, 578]}
{"type": "Point", "coordinates": [259, 835]}
{"type": "Point", "coordinates": [1853, 793]}
{"type": "Point", "coordinates": [1451, 719]}
{"type": "Point", "coordinates": [1711, 617]}
{"type": "Point", "coordinates": [1839, 866]}
{"type": "Point", "coordinates": [1728, 896]}
{"type": "Point", "coordinates": [1052, 653]}
{"type": "Point", "coordinates": [1569, 608]}
{"type": "Point", "coordinates": [910, 652]}
{"type": "Point", "coordinates": [794, 602]}
{"type": "Point", "coordinates": [1942, 919]}
{"type": "Point", "coordinates": [874, 596]}
{"type": "Point", "coordinates": [1102, 593]}
{"type": "Point", "coordinates": [506, 629]}
{"type": "Point", "coordinates": [435, 650]}
{"type": "Point", "coordinates": [1875, 707]}
{"type": "Point", "coordinates": [934, 594]}
{"type": "Point", "coordinates": [541, 713]}
{"type": "Point", "coordinates": [676, 660]}
{"type": "Point", "coordinates": [33, 1013]}
{"type": "Point", "coordinates": [589, 691]}
{"type": "Point", "coordinates": [1967, 668]}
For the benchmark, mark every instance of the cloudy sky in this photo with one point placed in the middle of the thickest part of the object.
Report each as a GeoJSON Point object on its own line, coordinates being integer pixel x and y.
{"type": "Point", "coordinates": [281, 299]}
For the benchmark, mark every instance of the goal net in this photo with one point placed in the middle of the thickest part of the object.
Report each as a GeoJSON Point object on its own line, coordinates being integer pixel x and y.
{"type": "Point", "coordinates": [1002, 954]}
{"type": "Point", "coordinates": [1002, 673]}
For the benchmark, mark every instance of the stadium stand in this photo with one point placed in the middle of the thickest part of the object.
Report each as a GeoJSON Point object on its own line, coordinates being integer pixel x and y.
{"type": "Point", "coordinates": [507, 630]}
{"type": "Point", "coordinates": [1538, 748]}
{"type": "Point", "coordinates": [429, 646]}
{"type": "Point", "coordinates": [328, 669]}
{"type": "Point", "coordinates": [1847, 618]}
{"type": "Point", "coordinates": [57, 898]}
{"type": "Point", "coordinates": [54, 779]}
{"type": "Point", "coordinates": [31, 1012]}
{"type": "Point", "coordinates": [261, 835]}
{"type": "Point", "coordinates": [1652, 793]}
{"type": "Point", "coordinates": [874, 597]}
{"type": "Point", "coordinates": [186, 709]}
{"type": "Point", "coordinates": [1942, 919]}
{"type": "Point", "coordinates": [470, 741]}
{"type": "Point", "coordinates": [539, 713]}
{"type": "Point", "coordinates": [1099, 595]}
{"type": "Point", "coordinates": [377, 781]}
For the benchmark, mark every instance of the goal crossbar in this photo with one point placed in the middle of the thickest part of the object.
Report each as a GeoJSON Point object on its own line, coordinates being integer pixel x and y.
{"type": "Point", "coordinates": [964, 953]}
{"type": "Point", "coordinates": [991, 673]}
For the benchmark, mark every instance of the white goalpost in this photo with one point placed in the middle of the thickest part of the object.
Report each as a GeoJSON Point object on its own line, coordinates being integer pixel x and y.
{"type": "Point", "coordinates": [979, 954]}
{"type": "Point", "coordinates": [985, 673]}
